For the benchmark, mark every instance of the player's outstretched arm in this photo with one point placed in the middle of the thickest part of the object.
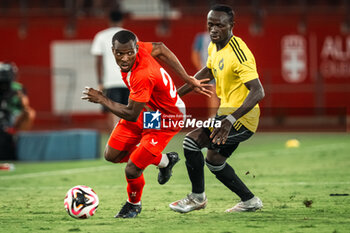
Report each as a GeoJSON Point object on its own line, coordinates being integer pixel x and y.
{"type": "Point", "coordinates": [256, 93]}
{"type": "Point", "coordinates": [166, 56]}
{"type": "Point", "coordinates": [128, 112]}
{"type": "Point", "coordinates": [99, 71]}
{"type": "Point", "coordinates": [203, 76]}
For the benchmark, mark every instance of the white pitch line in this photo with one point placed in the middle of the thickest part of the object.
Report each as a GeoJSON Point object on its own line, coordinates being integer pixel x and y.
{"type": "Point", "coordinates": [57, 172]}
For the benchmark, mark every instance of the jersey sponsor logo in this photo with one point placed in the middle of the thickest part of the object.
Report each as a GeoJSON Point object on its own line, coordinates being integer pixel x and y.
{"type": "Point", "coordinates": [151, 120]}
{"type": "Point", "coordinates": [293, 57]}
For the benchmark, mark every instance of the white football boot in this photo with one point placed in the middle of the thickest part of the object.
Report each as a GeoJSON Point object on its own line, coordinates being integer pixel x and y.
{"type": "Point", "coordinates": [188, 204]}
{"type": "Point", "coordinates": [247, 206]}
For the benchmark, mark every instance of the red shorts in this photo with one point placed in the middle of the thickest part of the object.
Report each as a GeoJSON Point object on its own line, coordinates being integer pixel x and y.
{"type": "Point", "coordinates": [126, 135]}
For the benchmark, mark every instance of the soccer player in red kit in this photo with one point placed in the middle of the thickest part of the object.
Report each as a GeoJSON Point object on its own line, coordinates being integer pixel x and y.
{"type": "Point", "coordinates": [152, 91]}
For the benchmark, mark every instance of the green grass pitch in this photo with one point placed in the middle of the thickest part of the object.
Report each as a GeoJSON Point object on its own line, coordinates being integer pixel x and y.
{"type": "Point", "coordinates": [31, 196]}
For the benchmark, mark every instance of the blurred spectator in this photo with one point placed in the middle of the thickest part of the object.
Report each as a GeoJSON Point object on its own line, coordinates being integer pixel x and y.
{"type": "Point", "coordinates": [15, 111]}
{"type": "Point", "coordinates": [200, 50]}
{"type": "Point", "coordinates": [199, 57]}
{"type": "Point", "coordinates": [108, 72]}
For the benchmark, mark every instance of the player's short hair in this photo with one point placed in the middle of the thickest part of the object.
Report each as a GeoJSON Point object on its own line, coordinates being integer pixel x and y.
{"type": "Point", "coordinates": [224, 8]}
{"type": "Point", "coordinates": [124, 36]}
{"type": "Point", "coordinates": [116, 16]}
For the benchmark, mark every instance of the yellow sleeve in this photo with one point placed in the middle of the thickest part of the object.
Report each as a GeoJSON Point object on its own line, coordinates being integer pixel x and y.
{"type": "Point", "coordinates": [246, 70]}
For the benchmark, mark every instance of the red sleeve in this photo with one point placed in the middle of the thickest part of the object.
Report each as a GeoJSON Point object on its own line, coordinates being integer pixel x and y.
{"type": "Point", "coordinates": [148, 46]}
{"type": "Point", "coordinates": [141, 87]}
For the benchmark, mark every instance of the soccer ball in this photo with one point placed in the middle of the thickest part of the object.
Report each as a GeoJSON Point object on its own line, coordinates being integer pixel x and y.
{"type": "Point", "coordinates": [81, 202]}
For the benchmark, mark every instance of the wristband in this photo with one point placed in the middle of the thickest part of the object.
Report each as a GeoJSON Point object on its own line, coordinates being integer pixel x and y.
{"type": "Point", "coordinates": [231, 118]}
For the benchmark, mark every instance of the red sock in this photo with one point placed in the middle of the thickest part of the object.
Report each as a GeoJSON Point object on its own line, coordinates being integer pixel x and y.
{"type": "Point", "coordinates": [135, 188]}
{"type": "Point", "coordinates": [157, 160]}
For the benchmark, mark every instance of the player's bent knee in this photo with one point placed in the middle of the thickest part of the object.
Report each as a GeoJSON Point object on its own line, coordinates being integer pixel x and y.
{"type": "Point", "coordinates": [191, 144]}
{"type": "Point", "coordinates": [215, 158]}
{"type": "Point", "coordinates": [200, 137]}
{"type": "Point", "coordinates": [108, 157]}
{"type": "Point", "coordinates": [132, 171]}
{"type": "Point", "coordinates": [214, 168]}
{"type": "Point", "coordinates": [113, 155]}
{"type": "Point", "coordinates": [193, 134]}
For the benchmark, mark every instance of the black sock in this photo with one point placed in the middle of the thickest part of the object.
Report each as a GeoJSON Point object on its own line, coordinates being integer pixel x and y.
{"type": "Point", "coordinates": [228, 177]}
{"type": "Point", "coordinates": [194, 164]}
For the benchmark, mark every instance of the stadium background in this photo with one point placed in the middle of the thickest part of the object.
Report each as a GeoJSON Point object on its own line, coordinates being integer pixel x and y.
{"type": "Point", "coordinates": [302, 49]}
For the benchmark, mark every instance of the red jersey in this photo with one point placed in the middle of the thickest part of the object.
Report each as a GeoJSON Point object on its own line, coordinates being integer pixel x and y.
{"type": "Point", "coordinates": [149, 83]}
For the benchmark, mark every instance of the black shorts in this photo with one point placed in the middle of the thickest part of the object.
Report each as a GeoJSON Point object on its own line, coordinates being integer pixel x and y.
{"type": "Point", "coordinates": [234, 138]}
{"type": "Point", "coordinates": [117, 94]}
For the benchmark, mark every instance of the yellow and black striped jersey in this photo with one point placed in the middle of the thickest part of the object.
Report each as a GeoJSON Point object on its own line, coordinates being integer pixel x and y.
{"type": "Point", "coordinates": [232, 66]}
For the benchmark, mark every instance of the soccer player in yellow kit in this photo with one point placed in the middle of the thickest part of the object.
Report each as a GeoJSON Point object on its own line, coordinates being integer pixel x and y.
{"type": "Point", "coordinates": [233, 66]}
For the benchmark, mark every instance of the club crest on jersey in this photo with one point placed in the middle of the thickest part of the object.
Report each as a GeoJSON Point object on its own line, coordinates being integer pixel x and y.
{"type": "Point", "coordinates": [221, 64]}
{"type": "Point", "coordinates": [151, 120]}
